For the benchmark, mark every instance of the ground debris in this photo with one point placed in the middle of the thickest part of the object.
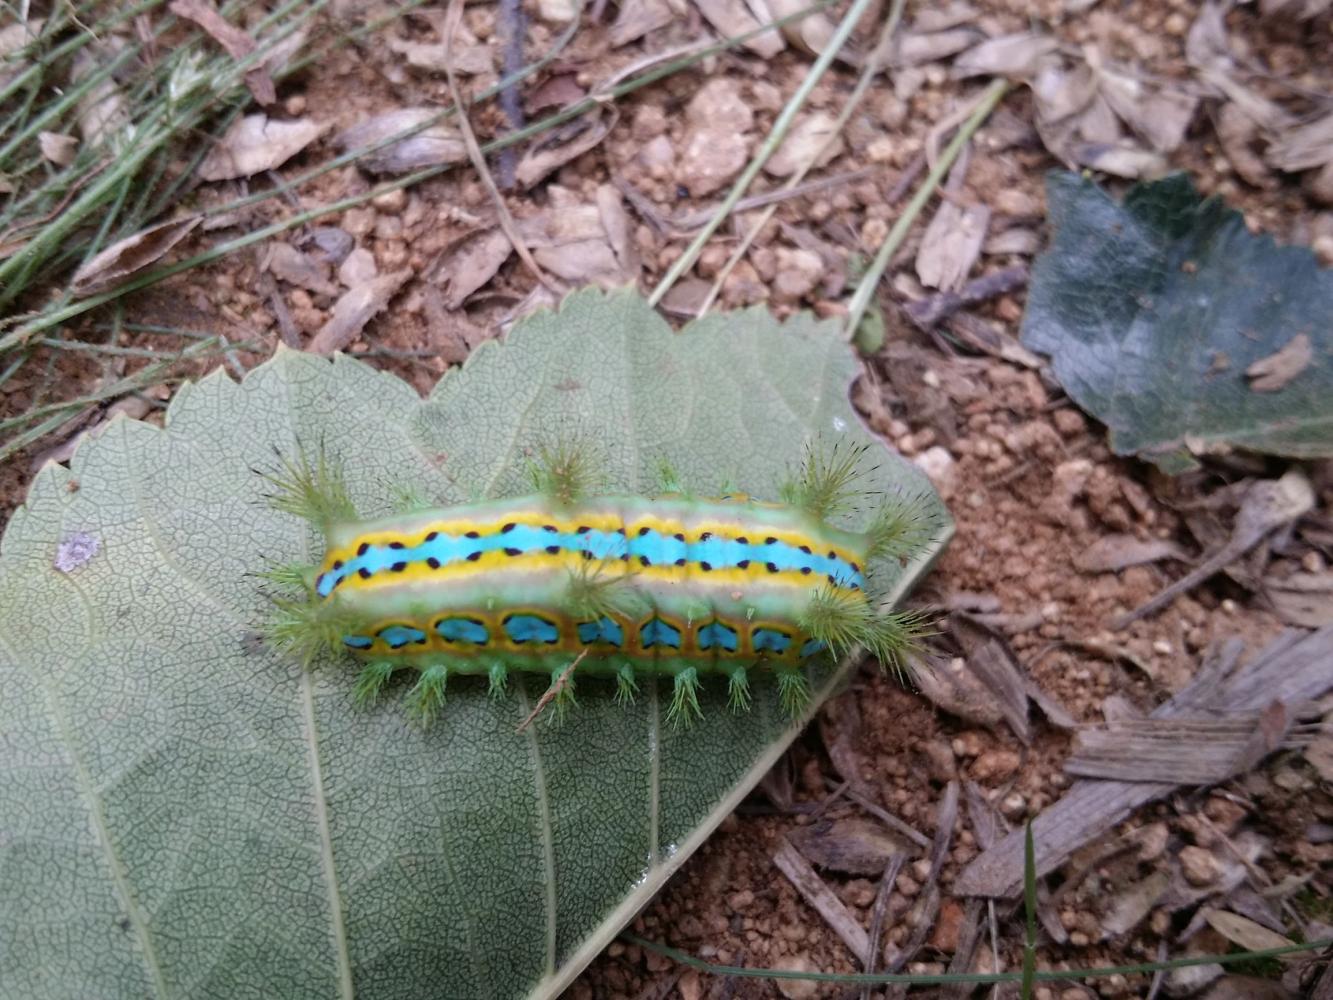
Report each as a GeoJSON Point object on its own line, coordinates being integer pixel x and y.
{"type": "Point", "coordinates": [1292, 669]}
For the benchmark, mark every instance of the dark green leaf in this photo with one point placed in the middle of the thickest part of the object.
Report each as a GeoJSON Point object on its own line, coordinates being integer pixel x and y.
{"type": "Point", "coordinates": [1158, 315]}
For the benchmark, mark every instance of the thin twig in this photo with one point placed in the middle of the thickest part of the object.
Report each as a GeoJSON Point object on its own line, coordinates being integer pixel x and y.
{"type": "Point", "coordinates": [451, 21]}
{"type": "Point", "coordinates": [549, 694]}
{"type": "Point", "coordinates": [512, 31]}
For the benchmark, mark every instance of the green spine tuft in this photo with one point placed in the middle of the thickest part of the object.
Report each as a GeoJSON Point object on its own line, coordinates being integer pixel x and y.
{"type": "Point", "coordinates": [291, 577]}
{"type": "Point", "coordinates": [793, 691]}
{"type": "Point", "coordinates": [627, 688]}
{"type": "Point", "coordinates": [408, 499]}
{"type": "Point", "coordinates": [826, 484]}
{"type": "Point", "coordinates": [304, 628]}
{"type": "Point", "coordinates": [594, 594]}
{"type": "Point", "coordinates": [562, 684]}
{"type": "Point", "coordinates": [684, 708]}
{"type": "Point", "coordinates": [374, 676]}
{"type": "Point", "coordinates": [314, 491]}
{"type": "Point", "coordinates": [426, 699]}
{"type": "Point", "coordinates": [564, 473]}
{"type": "Point", "coordinates": [845, 621]}
{"type": "Point", "coordinates": [668, 483]}
{"type": "Point", "coordinates": [499, 680]}
{"type": "Point", "coordinates": [738, 689]}
{"type": "Point", "coordinates": [903, 526]}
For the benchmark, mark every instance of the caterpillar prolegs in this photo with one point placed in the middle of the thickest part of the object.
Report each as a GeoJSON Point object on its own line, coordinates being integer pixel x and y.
{"type": "Point", "coordinates": [616, 586]}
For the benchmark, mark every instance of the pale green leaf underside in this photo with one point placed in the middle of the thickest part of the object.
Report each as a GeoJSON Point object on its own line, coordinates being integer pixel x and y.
{"type": "Point", "coordinates": [183, 815]}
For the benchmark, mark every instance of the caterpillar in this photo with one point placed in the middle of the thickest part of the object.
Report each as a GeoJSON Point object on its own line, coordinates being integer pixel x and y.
{"type": "Point", "coordinates": [576, 583]}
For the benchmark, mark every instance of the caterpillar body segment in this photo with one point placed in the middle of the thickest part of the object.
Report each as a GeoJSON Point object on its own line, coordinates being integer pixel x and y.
{"type": "Point", "coordinates": [617, 586]}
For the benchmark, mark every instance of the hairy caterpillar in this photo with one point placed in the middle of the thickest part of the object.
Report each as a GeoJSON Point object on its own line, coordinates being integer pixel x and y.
{"type": "Point", "coordinates": [566, 581]}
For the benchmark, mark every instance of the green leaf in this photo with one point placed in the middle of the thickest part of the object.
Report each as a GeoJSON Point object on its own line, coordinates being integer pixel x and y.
{"type": "Point", "coordinates": [182, 814]}
{"type": "Point", "coordinates": [1154, 310]}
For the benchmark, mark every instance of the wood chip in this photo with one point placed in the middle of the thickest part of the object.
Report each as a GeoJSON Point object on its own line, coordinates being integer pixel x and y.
{"type": "Point", "coordinates": [125, 258]}
{"type": "Point", "coordinates": [816, 892]}
{"type": "Point", "coordinates": [354, 310]}
{"type": "Point", "coordinates": [1182, 751]}
{"type": "Point", "coordinates": [927, 312]}
{"type": "Point", "coordinates": [855, 845]}
{"type": "Point", "coordinates": [1291, 670]}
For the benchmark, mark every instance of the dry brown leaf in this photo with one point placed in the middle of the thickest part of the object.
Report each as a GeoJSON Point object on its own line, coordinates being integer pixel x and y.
{"type": "Point", "coordinates": [1245, 932]}
{"type": "Point", "coordinates": [638, 17]}
{"type": "Point", "coordinates": [1303, 147]}
{"type": "Point", "coordinates": [557, 92]}
{"type": "Point", "coordinates": [1018, 55]}
{"type": "Point", "coordinates": [102, 108]}
{"type": "Point", "coordinates": [810, 34]}
{"type": "Point", "coordinates": [233, 40]}
{"type": "Point", "coordinates": [561, 146]}
{"type": "Point", "coordinates": [1303, 599]}
{"type": "Point", "coordinates": [1236, 131]}
{"type": "Point", "coordinates": [1018, 240]}
{"type": "Point", "coordinates": [1301, 9]}
{"type": "Point", "coordinates": [571, 242]}
{"type": "Point", "coordinates": [1278, 369]}
{"type": "Point", "coordinates": [1161, 116]}
{"type": "Point", "coordinates": [803, 148]}
{"type": "Point", "coordinates": [915, 48]}
{"type": "Point", "coordinates": [357, 268]}
{"type": "Point", "coordinates": [1131, 903]}
{"type": "Point", "coordinates": [432, 146]}
{"type": "Point", "coordinates": [354, 310]}
{"type": "Point", "coordinates": [1319, 184]}
{"type": "Point", "coordinates": [471, 264]}
{"type": "Point", "coordinates": [619, 229]}
{"type": "Point", "coordinates": [1112, 553]}
{"type": "Point", "coordinates": [557, 11]}
{"type": "Point", "coordinates": [59, 149]}
{"type": "Point", "coordinates": [256, 143]}
{"type": "Point", "coordinates": [125, 258]}
{"type": "Point", "coordinates": [286, 263]}
{"type": "Point", "coordinates": [1320, 751]}
{"type": "Point", "coordinates": [1121, 159]}
{"type": "Point", "coordinates": [944, 17]}
{"type": "Point", "coordinates": [15, 36]}
{"type": "Point", "coordinates": [732, 18]}
{"type": "Point", "coordinates": [1061, 91]}
{"type": "Point", "coordinates": [470, 57]}
{"type": "Point", "coordinates": [951, 245]}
